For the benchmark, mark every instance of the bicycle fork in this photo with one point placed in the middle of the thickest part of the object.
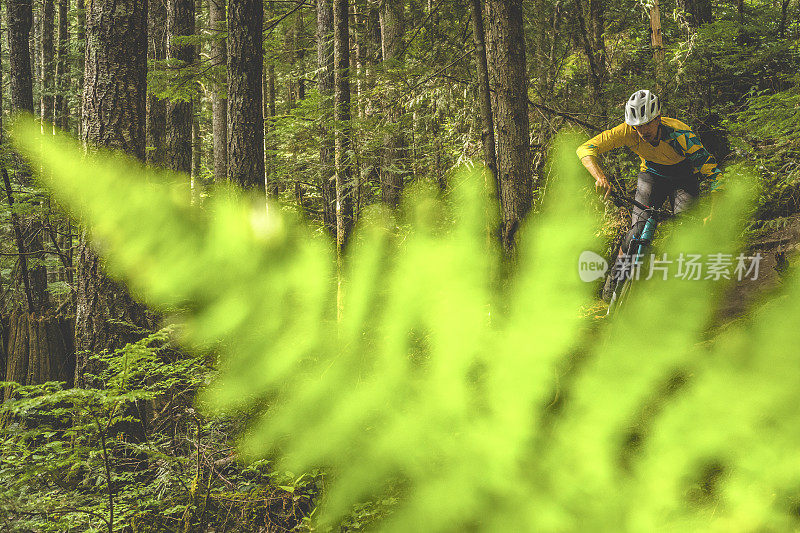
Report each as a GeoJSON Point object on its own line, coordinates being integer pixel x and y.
{"type": "Point", "coordinates": [636, 244]}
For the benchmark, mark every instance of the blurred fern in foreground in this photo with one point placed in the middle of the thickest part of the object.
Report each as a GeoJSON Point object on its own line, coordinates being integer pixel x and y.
{"type": "Point", "coordinates": [486, 406]}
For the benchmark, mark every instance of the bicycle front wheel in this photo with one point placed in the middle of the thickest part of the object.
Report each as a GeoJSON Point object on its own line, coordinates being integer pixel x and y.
{"type": "Point", "coordinates": [622, 290]}
{"type": "Point", "coordinates": [620, 296]}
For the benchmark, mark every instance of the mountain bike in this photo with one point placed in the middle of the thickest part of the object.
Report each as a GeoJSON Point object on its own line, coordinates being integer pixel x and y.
{"type": "Point", "coordinates": [634, 246]}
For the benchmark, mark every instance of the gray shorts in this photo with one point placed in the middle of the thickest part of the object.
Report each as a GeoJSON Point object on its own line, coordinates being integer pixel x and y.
{"type": "Point", "coordinates": [652, 190]}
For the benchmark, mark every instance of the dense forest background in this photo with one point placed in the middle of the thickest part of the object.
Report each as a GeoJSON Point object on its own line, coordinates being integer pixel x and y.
{"type": "Point", "coordinates": [326, 109]}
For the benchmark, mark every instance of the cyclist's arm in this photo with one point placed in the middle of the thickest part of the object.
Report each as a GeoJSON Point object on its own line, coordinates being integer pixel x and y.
{"type": "Point", "coordinates": [607, 140]}
{"type": "Point", "coordinates": [600, 180]}
{"type": "Point", "coordinates": [588, 152]}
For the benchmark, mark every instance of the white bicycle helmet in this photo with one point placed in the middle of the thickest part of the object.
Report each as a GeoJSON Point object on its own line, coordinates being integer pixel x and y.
{"type": "Point", "coordinates": [642, 107]}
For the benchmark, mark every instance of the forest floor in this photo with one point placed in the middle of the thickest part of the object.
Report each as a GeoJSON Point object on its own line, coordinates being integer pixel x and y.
{"type": "Point", "coordinates": [777, 243]}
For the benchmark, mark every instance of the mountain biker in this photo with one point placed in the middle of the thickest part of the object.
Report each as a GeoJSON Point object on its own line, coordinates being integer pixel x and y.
{"type": "Point", "coordinates": [673, 160]}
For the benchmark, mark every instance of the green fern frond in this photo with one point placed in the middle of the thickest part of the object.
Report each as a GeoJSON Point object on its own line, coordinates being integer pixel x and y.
{"type": "Point", "coordinates": [486, 404]}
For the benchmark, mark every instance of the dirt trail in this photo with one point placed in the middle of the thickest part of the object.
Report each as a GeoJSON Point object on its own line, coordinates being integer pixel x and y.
{"type": "Point", "coordinates": [777, 248]}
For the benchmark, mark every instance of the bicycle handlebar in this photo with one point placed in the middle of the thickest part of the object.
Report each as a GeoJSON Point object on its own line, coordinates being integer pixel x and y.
{"type": "Point", "coordinates": [618, 199]}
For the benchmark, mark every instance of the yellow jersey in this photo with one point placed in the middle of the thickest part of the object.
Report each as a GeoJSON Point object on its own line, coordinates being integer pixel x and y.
{"type": "Point", "coordinates": [677, 150]}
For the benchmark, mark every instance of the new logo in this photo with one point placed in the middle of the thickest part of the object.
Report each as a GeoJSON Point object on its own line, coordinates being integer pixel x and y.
{"type": "Point", "coordinates": [591, 266]}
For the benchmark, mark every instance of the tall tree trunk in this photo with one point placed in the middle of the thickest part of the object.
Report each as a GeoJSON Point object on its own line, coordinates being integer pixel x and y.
{"type": "Point", "coordinates": [245, 113]}
{"type": "Point", "coordinates": [325, 80]}
{"type": "Point", "coordinates": [299, 54]}
{"type": "Point", "coordinates": [484, 95]}
{"type": "Point", "coordinates": [116, 68]}
{"type": "Point", "coordinates": [156, 107]}
{"type": "Point", "coordinates": [48, 65]}
{"type": "Point", "coordinates": [368, 49]}
{"type": "Point", "coordinates": [270, 150]}
{"type": "Point", "coordinates": [19, 29]}
{"type": "Point", "coordinates": [395, 146]}
{"type": "Point", "coordinates": [62, 66]}
{"type": "Point", "coordinates": [355, 95]}
{"type": "Point", "coordinates": [116, 74]}
{"type": "Point", "coordinates": [344, 173]}
{"type": "Point", "coordinates": [62, 81]}
{"type": "Point", "coordinates": [114, 116]}
{"type": "Point", "coordinates": [114, 102]}
{"type": "Point", "coordinates": [219, 57]}
{"type": "Point", "coordinates": [506, 54]}
{"type": "Point", "coordinates": [80, 36]}
{"type": "Point", "coordinates": [658, 45]}
{"type": "Point", "coordinates": [357, 68]}
{"type": "Point", "coordinates": [271, 178]}
{"type": "Point", "coordinates": [197, 113]}
{"type": "Point", "coordinates": [267, 128]}
{"type": "Point", "coordinates": [20, 16]}
{"type": "Point", "coordinates": [35, 48]}
{"type": "Point", "coordinates": [180, 23]}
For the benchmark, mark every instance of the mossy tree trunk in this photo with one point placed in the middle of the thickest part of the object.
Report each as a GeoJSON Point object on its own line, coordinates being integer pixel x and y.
{"type": "Point", "coordinates": [507, 72]}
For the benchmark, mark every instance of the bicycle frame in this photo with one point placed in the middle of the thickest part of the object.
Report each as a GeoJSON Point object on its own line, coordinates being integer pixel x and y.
{"type": "Point", "coordinates": [638, 244]}
{"type": "Point", "coordinates": [648, 232]}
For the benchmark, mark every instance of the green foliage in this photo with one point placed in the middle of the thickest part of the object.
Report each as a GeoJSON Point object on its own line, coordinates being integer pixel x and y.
{"type": "Point", "coordinates": [767, 131]}
{"type": "Point", "coordinates": [57, 444]}
{"type": "Point", "coordinates": [477, 403]}
{"type": "Point", "coordinates": [174, 79]}
{"type": "Point", "coordinates": [772, 117]}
